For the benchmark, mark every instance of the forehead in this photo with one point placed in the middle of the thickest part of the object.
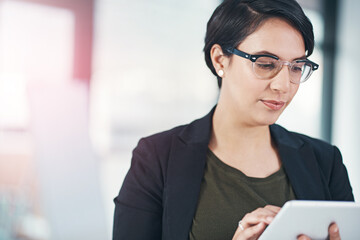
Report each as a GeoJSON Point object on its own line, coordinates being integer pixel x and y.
{"type": "Point", "coordinates": [276, 36]}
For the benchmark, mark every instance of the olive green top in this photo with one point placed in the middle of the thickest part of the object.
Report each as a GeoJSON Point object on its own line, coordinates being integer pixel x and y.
{"type": "Point", "coordinates": [227, 194]}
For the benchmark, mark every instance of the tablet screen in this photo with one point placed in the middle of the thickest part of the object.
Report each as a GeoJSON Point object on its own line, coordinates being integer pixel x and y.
{"type": "Point", "coordinates": [313, 218]}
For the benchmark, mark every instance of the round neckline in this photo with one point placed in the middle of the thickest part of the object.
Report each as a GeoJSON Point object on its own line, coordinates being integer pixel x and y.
{"type": "Point", "coordinates": [238, 173]}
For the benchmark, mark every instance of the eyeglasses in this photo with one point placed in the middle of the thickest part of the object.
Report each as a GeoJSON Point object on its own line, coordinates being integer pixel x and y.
{"type": "Point", "coordinates": [268, 66]}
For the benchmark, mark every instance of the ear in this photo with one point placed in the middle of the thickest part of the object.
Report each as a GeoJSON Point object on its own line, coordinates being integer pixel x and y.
{"type": "Point", "coordinates": [219, 60]}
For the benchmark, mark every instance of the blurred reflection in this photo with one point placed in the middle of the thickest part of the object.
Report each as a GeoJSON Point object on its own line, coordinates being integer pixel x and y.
{"type": "Point", "coordinates": [21, 216]}
{"type": "Point", "coordinates": [35, 45]}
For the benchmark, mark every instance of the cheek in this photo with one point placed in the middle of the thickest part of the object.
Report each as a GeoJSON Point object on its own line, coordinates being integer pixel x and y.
{"type": "Point", "coordinates": [239, 68]}
{"type": "Point", "coordinates": [248, 88]}
{"type": "Point", "coordinates": [294, 90]}
{"type": "Point", "coordinates": [244, 78]}
{"type": "Point", "coordinates": [242, 84]}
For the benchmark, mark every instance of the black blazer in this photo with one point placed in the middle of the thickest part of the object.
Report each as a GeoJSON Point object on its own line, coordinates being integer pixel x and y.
{"type": "Point", "coordinates": [159, 195]}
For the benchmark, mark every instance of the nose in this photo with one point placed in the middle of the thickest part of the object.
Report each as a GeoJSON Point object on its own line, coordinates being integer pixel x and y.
{"type": "Point", "coordinates": [281, 82]}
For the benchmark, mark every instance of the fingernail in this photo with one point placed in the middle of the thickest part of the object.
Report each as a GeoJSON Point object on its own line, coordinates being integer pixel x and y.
{"type": "Point", "coordinates": [269, 219]}
{"type": "Point", "coordinates": [336, 229]}
{"type": "Point", "coordinates": [260, 225]}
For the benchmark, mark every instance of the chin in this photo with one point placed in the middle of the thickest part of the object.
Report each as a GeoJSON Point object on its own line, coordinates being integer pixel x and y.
{"type": "Point", "coordinates": [265, 116]}
{"type": "Point", "coordinates": [268, 120]}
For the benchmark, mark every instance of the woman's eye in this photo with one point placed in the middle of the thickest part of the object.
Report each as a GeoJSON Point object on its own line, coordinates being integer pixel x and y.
{"type": "Point", "coordinates": [269, 66]}
{"type": "Point", "coordinates": [298, 68]}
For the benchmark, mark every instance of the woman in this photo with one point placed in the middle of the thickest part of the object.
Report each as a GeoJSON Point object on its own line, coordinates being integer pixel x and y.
{"type": "Point", "coordinates": [198, 180]}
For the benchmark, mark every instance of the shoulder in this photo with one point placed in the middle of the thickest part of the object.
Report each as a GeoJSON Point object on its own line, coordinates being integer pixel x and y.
{"type": "Point", "coordinates": [325, 154]}
{"type": "Point", "coordinates": [158, 145]}
{"type": "Point", "coordinates": [198, 131]}
{"type": "Point", "coordinates": [319, 158]}
{"type": "Point", "coordinates": [298, 139]}
{"type": "Point", "coordinates": [164, 137]}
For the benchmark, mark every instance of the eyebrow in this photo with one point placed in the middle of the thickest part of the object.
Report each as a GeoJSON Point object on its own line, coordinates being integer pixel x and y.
{"type": "Point", "coordinates": [272, 54]}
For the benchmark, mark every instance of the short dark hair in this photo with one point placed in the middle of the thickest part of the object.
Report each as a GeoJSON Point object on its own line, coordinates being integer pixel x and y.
{"type": "Point", "coordinates": [234, 20]}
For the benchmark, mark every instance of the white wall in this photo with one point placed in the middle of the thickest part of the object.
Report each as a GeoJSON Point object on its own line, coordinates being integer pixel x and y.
{"type": "Point", "coordinates": [68, 169]}
{"type": "Point", "coordinates": [346, 129]}
{"type": "Point", "coordinates": [149, 75]}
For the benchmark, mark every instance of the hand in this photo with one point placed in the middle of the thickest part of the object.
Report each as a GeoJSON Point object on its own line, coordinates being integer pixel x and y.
{"type": "Point", "coordinates": [333, 233]}
{"type": "Point", "coordinates": [254, 223]}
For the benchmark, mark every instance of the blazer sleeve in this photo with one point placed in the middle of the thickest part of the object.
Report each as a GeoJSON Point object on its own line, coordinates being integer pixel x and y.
{"type": "Point", "coordinates": [138, 207]}
{"type": "Point", "coordinates": [339, 184]}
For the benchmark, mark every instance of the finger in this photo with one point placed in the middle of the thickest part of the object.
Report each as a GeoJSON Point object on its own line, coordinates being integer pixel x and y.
{"type": "Point", "coordinates": [257, 216]}
{"type": "Point", "coordinates": [273, 208]}
{"type": "Point", "coordinates": [303, 237]}
{"type": "Point", "coordinates": [248, 233]}
{"type": "Point", "coordinates": [252, 232]}
{"type": "Point", "coordinates": [334, 233]}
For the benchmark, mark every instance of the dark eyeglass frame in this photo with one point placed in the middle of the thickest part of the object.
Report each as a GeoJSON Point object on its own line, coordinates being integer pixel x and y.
{"type": "Point", "coordinates": [253, 58]}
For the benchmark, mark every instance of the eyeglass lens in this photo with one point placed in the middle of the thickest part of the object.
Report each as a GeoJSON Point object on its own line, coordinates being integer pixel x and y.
{"type": "Point", "coordinates": [267, 67]}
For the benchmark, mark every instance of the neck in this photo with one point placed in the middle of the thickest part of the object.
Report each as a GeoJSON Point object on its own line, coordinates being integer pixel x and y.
{"type": "Point", "coordinates": [230, 133]}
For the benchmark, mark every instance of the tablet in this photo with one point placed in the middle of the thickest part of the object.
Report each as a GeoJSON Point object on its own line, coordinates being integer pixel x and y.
{"type": "Point", "coordinates": [313, 218]}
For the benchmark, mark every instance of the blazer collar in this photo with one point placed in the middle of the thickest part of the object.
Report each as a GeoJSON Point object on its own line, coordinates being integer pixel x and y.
{"type": "Point", "coordinates": [300, 164]}
{"type": "Point", "coordinates": [284, 138]}
{"type": "Point", "coordinates": [198, 132]}
{"type": "Point", "coordinates": [187, 161]}
{"type": "Point", "coordinates": [184, 175]}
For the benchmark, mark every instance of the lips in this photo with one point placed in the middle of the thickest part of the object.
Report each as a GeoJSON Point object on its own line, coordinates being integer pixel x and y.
{"type": "Point", "coordinates": [273, 105]}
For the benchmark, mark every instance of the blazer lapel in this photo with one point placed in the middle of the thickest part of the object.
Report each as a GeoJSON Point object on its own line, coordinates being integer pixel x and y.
{"type": "Point", "coordinates": [300, 164]}
{"type": "Point", "coordinates": [184, 175]}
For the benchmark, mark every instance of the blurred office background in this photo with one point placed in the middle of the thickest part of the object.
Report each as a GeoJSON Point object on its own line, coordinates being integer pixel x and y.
{"type": "Point", "coordinates": [82, 80]}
